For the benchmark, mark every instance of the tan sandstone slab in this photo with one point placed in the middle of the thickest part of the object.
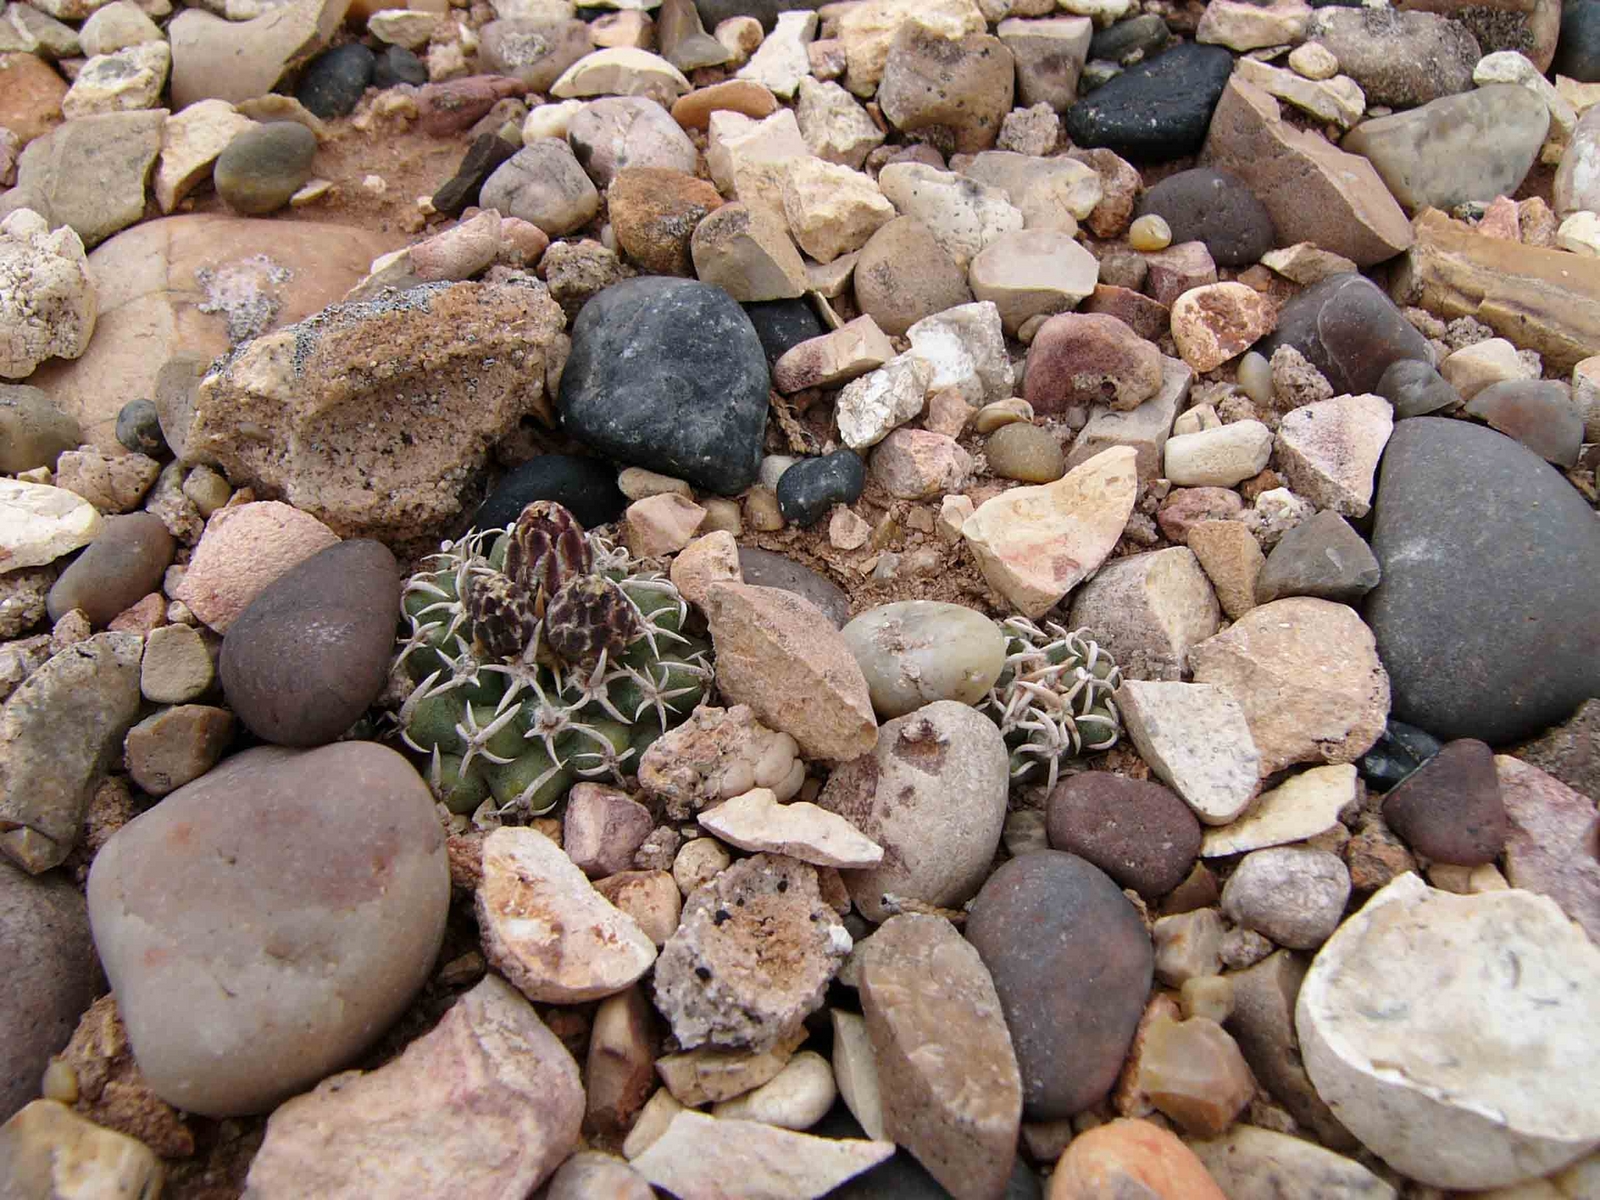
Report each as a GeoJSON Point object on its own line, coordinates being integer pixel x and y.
{"type": "Point", "coordinates": [700, 1155]}
{"type": "Point", "coordinates": [757, 821]}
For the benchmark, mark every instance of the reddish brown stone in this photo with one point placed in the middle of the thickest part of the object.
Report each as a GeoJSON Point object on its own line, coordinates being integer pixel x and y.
{"type": "Point", "coordinates": [30, 96]}
{"type": "Point", "coordinates": [1146, 317]}
{"type": "Point", "coordinates": [654, 212]}
{"type": "Point", "coordinates": [1090, 358]}
{"type": "Point", "coordinates": [457, 104]}
{"type": "Point", "coordinates": [1141, 834]}
{"type": "Point", "coordinates": [1450, 808]}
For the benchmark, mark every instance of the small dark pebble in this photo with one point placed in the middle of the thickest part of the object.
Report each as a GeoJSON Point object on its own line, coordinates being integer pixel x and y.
{"type": "Point", "coordinates": [139, 429]}
{"type": "Point", "coordinates": [1214, 207]}
{"type": "Point", "coordinates": [807, 490]}
{"type": "Point", "coordinates": [398, 65]}
{"type": "Point", "coordinates": [1126, 40]}
{"type": "Point", "coordinates": [333, 82]}
{"type": "Point", "coordinates": [1578, 50]}
{"type": "Point", "coordinates": [1160, 108]}
{"type": "Point", "coordinates": [120, 567]}
{"type": "Point", "coordinates": [783, 324]}
{"type": "Point", "coordinates": [1450, 808]}
{"type": "Point", "coordinates": [586, 486]}
{"type": "Point", "coordinates": [1416, 389]}
{"type": "Point", "coordinates": [482, 158]}
{"type": "Point", "coordinates": [1399, 751]}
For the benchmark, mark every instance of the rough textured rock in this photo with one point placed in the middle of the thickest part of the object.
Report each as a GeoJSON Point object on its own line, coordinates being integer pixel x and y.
{"type": "Point", "coordinates": [245, 549]}
{"type": "Point", "coordinates": [1197, 739]}
{"type": "Point", "coordinates": [952, 1093]}
{"type": "Point", "coordinates": [698, 1154]}
{"type": "Point", "coordinates": [1072, 1012]}
{"type": "Point", "coordinates": [1549, 836]}
{"type": "Point", "coordinates": [1139, 833]}
{"type": "Point", "coordinates": [1459, 656]}
{"type": "Point", "coordinates": [1089, 358]}
{"type": "Point", "coordinates": [780, 654]}
{"type": "Point", "coordinates": [310, 389]}
{"type": "Point", "coordinates": [1214, 207]}
{"type": "Point", "coordinates": [240, 60]}
{"type": "Point", "coordinates": [1157, 109]}
{"type": "Point", "coordinates": [1329, 450]}
{"type": "Point", "coordinates": [59, 731]}
{"type": "Point", "coordinates": [1427, 1064]}
{"type": "Point", "coordinates": [49, 1150]}
{"type": "Point", "coordinates": [1292, 894]}
{"type": "Point", "coordinates": [1308, 676]}
{"type": "Point", "coordinates": [1401, 59]}
{"type": "Point", "coordinates": [965, 85]}
{"type": "Point", "coordinates": [48, 300]}
{"type": "Point", "coordinates": [933, 795]}
{"type": "Point", "coordinates": [1148, 610]}
{"type": "Point", "coordinates": [748, 980]}
{"type": "Point", "coordinates": [488, 1101]}
{"type": "Point", "coordinates": [1571, 751]}
{"type": "Point", "coordinates": [90, 173]}
{"type": "Point", "coordinates": [249, 961]}
{"type": "Point", "coordinates": [1299, 808]}
{"type": "Point", "coordinates": [904, 275]}
{"type": "Point", "coordinates": [757, 821]}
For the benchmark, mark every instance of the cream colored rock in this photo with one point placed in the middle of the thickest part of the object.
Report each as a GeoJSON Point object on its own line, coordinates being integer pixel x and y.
{"type": "Point", "coordinates": [545, 927]}
{"type": "Point", "coordinates": [1510, 66]}
{"type": "Point", "coordinates": [124, 81]}
{"type": "Point", "coordinates": [797, 1097]}
{"type": "Point", "coordinates": [1252, 1163]}
{"type": "Point", "coordinates": [1147, 610]}
{"type": "Point", "coordinates": [115, 27]}
{"type": "Point", "coordinates": [622, 71]}
{"type": "Point", "coordinates": [834, 358]}
{"type": "Point", "coordinates": [707, 1075]}
{"type": "Point", "coordinates": [834, 125]}
{"type": "Point", "coordinates": [963, 216]}
{"type": "Point", "coordinates": [703, 1156]}
{"type": "Point", "coordinates": [855, 1069]}
{"type": "Point", "coordinates": [39, 523]}
{"type": "Point", "coordinates": [658, 1113]}
{"type": "Point", "coordinates": [661, 524]}
{"type": "Point", "coordinates": [1304, 262]}
{"type": "Point", "coordinates": [1032, 273]}
{"type": "Point", "coordinates": [49, 1151]}
{"type": "Point", "coordinates": [1472, 368]}
{"type": "Point", "coordinates": [1219, 457]}
{"type": "Point", "coordinates": [410, 28]}
{"type": "Point", "coordinates": [869, 408]}
{"type": "Point", "coordinates": [1034, 544]}
{"type": "Point", "coordinates": [1301, 807]}
{"type": "Point", "coordinates": [1145, 427]}
{"type": "Point", "coordinates": [1580, 233]}
{"type": "Point", "coordinates": [48, 298]}
{"type": "Point", "coordinates": [1196, 739]}
{"type": "Point", "coordinates": [966, 347]}
{"type": "Point", "coordinates": [758, 821]}
{"type": "Point", "coordinates": [113, 483]}
{"type": "Point", "coordinates": [1457, 1078]}
{"type": "Point", "coordinates": [214, 59]}
{"type": "Point", "coordinates": [190, 143]}
{"type": "Point", "coordinates": [711, 558]}
{"type": "Point", "coordinates": [245, 548]}
{"type": "Point", "coordinates": [1240, 25]}
{"type": "Point", "coordinates": [1329, 450]}
{"type": "Point", "coordinates": [749, 160]}
{"type": "Point", "coordinates": [1216, 321]}
{"type": "Point", "coordinates": [868, 29]}
{"type": "Point", "coordinates": [1337, 99]}
{"type": "Point", "coordinates": [781, 62]}
{"type": "Point", "coordinates": [747, 253]}
{"type": "Point", "coordinates": [784, 658]}
{"type": "Point", "coordinates": [831, 209]}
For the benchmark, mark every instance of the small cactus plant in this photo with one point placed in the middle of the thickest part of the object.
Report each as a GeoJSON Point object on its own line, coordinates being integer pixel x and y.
{"type": "Point", "coordinates": [1053, 699]}
{"type": "Point", "coordinates": [540, 654]}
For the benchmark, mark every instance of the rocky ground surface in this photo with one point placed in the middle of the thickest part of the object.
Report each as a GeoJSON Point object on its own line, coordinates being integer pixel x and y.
{"type": "Point", "coordinates": [975, 598]}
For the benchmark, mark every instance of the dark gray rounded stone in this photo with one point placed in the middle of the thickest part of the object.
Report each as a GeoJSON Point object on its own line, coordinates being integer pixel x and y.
{"type": "Point", "coordinates": [311, 652]}
{"type": "Point", "coordinates": [1449, 808]}
{"type": "Point", "coordinates": [585, 486]}
{"type": "Point", "coordinates": [1143, 34]}
{"type": "Point", "coordinates": [398, 65]}
{"type": "Point", "coordinates": [52, 975]}
{"type": "Point", "coordinates": [765, 11]}
{"type": "Point", "coordinates": [1156, 109]}
{"type": "Point", "coordinates": [1214, 207]}
{"type": "Point", "coordinates": [763, 568]}
{"type": "Point", "coordinates": [1138, 832]}
{"type": "Point", "coordinates": [1322, 557]}
{"type": "Point", "coordinates": [807, 490]}
{"type": "Point", "coordinates": [1578, 51]}
{"type": "Point", "coordinates": [262, 167]}
{"type": "Point", "coordinates": [1416, 388]}
{"type": "Point", "coordinates": [669, 374]}
{"type": "Point", "coordinates": [783, 324]}
{"type": "Point", "coordinates": [1349, 330]}
{"type": "Point", "coordinates": [139, 429]}
{"type": "Point", "coordinates": [334, 80]}
{"type": "Point", "coordinates": [1488, 617]}
{"type": "Point", "coordinates": [1072, 963]}
{"type": "Point", "coordinates": [120, 567]}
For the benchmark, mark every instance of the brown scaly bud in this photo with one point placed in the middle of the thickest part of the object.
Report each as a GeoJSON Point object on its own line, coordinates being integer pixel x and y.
{"type": "Point", "coordinates": [547, 549]}
{"type": "Point", "coordinates": [502, 615]}
{"type": "Point", "coordinates": [588, 615]}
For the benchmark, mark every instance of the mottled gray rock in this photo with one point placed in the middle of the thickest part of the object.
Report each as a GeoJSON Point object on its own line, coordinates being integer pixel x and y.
{"type": "Point", "coordinates": [1400, 59]}
{"type": "Point", "coordinates": [1292, 894]}
{"type": "Point", "coordinates": [1322, 557]}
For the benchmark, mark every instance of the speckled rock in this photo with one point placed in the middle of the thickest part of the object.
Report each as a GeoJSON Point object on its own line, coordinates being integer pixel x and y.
{"type": "Point", "coordinates": [1400, 59]}
{"type": "Point", "coordinates": [1158, 109]}
{"type": "Point", "coordinates": [1323, 557]}
{"type": "Point", "coordinates": [307, 949]}
{"type": "Point", "coordinates": [1292, 894]}
{"type": "Point", "coordinates": [1139, 833]}
{"type": "Point", "coordinates": [543, 184]}
{"type": "Point", "coordinates": [904, 275]}
{"type": "Point", "coordinates": [1134, 1158]}
{"type": "Point", "coordinates": [914, 652]}
{"type": "Point", "coordinates": [1550, 828]}
{"type": "Point", "coordinates": [1089, 358]}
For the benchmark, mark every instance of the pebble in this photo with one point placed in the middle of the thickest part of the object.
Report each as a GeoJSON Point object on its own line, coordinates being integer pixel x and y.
{"type": "Point", "coordinates": [1083, 358]}
{"type": "Point", "coordinates": [49, 298]}
{"type": "Point", "coordinates": [1214, 207]}
{"type": "Point", "coordinates": [488, 1100]}
{"type": "Point", "coordinates": [1401, 59]}
{"type": "Point", "coordinates": [334, 81]}
{"type": "Point", "coordinates": [1349, 330]}
{"type": "Point", "coordinates": [913, 464]}
{"type": "Point", "coordinates": [1193, 1073]}
{"type": "Point", "coordinates": [1197, 740]}
{"type": "Point", "coordinates": [1031, 273]}
{"type": "Point", "coordinates": [375, 886]}
{"type": "Point", "coordinates": [1026, 452]}
{"type": "Point", "coordinates": [1158, 108]}
{"type": "Point", "coordinates": [812, 486]}
{"type": "Point", "coordinates": [965, 348]}
{"type": "Point", "coordinates": [1219, 457]}
{"type": "Point", "coordinates": [1049, 55]}
{"type": "Point", "coordinates": [398, 65]}
{"type": "Point", "coordinates": [1538, 413]}
{"type": "Point", "coordinates": [763, 568]}
{"type": "Point", "coordinates": [1214, 322]}
{"type": "Point", "coordinates": [1139, 833]}
{"type": "Point", "coordinates": [698, 1153]}
{"type": "Point", "coordinates": [1298, 809]}
{"type": "Point", "coordinates": [905, 274]}
{"type": "Point", "coordinates": [589, 1173]}
{"type": "Point", "coordinates": [1415, 388]}
{"type": "Point", "coordinates": [262, 167]}
{"type": "Point", "coordinates": [585, 486]}
{"type": "Point", "coordinates": [654, 213]}
{"type": "Point", "coordinates": [1251, 1163]}
{"type": "Point", "coordinates": [1171, 272]}
{"type": "Point", "coordinates": [1071, 1012]}
{"type": "Point", "coordinates": [747, 253]}
{"type": "Point", "coordinates": [533, 50]}
{"type": "Point", "coordinates": [757, 821]}
{"type": "Point", "coordinates": [1578, 49]}
{"type": "Point", "coordinates": [749, 980]}
{"type": "Point", "coordinates": [915, 652]}
{"type": "Point", "coordinates": [1080, 517]}
{"type": "Point", "coordinates": [617, 132]}
{"type": "Point", "coordinates": [602, 828]}
{"type": "Point", "coordinates": [1458, 653]}
{"type": "Point", "coordinates": [1322, 557]}
{"type": "Point", "coordinates": [1232, 559]}
{"type": "Point", "coordinates": [1550, 827]}
{"type": "Point", "coordinates": [52, 1151]}
{"type": "Point", "coordinates": [176, 746]}
{"type": "Point", "coordinates": [1386, 994]}
{"type": "Point", "coordinates": [797, 1097]}
{"type": "Point", "coordinates": [933, 795]}
{"type": "Point", "coordinates": [636, 389]}
{"type": "Point", "coordinates": [244, 550]}
{"type": "Point", "coordinates": [543, 184]}
{"type": "Point", "coordinates": [1188, 947]}
{"type": "Point", "coordinates": [176, 666]}
{"type": "Point", "coordinates": [962, 216]}
{"type": "Point", "coordinates": [112, 483]}
{"type": "Point", "coordinates": [966, 85]}
{"type": "Point", "coordinates": [1148, 610]}
{"type": "Point", "coordinates": [139, 429]}
{"type": "Point", "coordinates": [1294, 895]}
{"type": "Point", "coordinates": [621, 71]}
{"type": "Point", "coordinates": [1129, 1155]}
{"type": "Point", "coordinates": [125, 562]}
{"type": "Point", "coordinates": [1450, 808]}
{"type": "Point", "coordinates": [33, 431]}
{"type": "Point", "coordinates": [947, 1074]}
{"type": "Point", "coordinates": [661, 524]}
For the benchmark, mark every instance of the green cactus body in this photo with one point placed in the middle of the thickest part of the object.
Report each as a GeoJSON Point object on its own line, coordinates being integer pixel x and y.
{"type": "Point", "coordinates": [1053, 699]}
{"type": "Point", "coordinates": [517, 728]}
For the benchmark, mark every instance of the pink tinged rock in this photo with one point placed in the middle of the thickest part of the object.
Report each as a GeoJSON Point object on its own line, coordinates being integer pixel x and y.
{"type": "Point", "coordinates": [710, 558]}
{"type": "Point", "coordinates": [602, 828]}
{"type": "Point", "coordinates": [661, 524]}
{"type": "Point", "coordinates": [484, 1106]}
{"type": "Point", "coordinates": [834, 358]}
{"type": "Point", "coordinates": [590, 1175]}
{"type": "Point", "coordinates": [547, 930]}
{"type": "Point", "coordinates": [705, 1156]}
{"type": "Point", "coordinates": [263, 925]}
{"type": "Point", "coordinates": [1089, 358]}
{"type": "Point", "coordinates": [1329, 450]}
{"type": "Point", "coordinates": [1148, 609]}
{"type": "Point", "coordinates": [1213, 323]}
{"type": "Point", "coordinates": [952, 1093]}
{"type": "Point", "coordinates": [243, 549]}
{"type": "Point", "coordinates": [1177, 270]}
{"type": "Point", "coordinates": [456, 104]}
{"type": "Point", "coordinates": [1551, 840]}
{"type": "Point", "coordinates": [757, 821]}
{"type": "Point", "coordinates": [1034, 544]}
{"type": "Point", "coordinates": [780, 655]}
{"type": "Point", "coordinates": [1131, 1158]}
{"type": "Point", "coordinates": [913, 464]}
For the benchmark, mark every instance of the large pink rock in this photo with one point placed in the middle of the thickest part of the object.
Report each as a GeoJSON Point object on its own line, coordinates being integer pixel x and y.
{"type": "Point", "coordinates": [242, 551]}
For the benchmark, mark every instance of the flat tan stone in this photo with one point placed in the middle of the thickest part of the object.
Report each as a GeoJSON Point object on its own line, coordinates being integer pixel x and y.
{"type": "Point", "coordinates": [40, 523]}
{"type": "Point", "coordinates": [50, 1151]}
{"type": "Point", "coordinates": [855, 1068]}
{"type": "Point", "coordinates": [214, 59]}
{"type": "Point", "coordinates": [700, 1155]}
{"type": "Point", "coordinates": [1299, 808]}
{"type": "Point", "coordinates": [757, 821]}
{"type": "Point", "coordinates": [833, 359]}
{"type": "Point", "coordinates": [190, 143]}
{"type": "Point", "coordinates": [710, 1076]}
